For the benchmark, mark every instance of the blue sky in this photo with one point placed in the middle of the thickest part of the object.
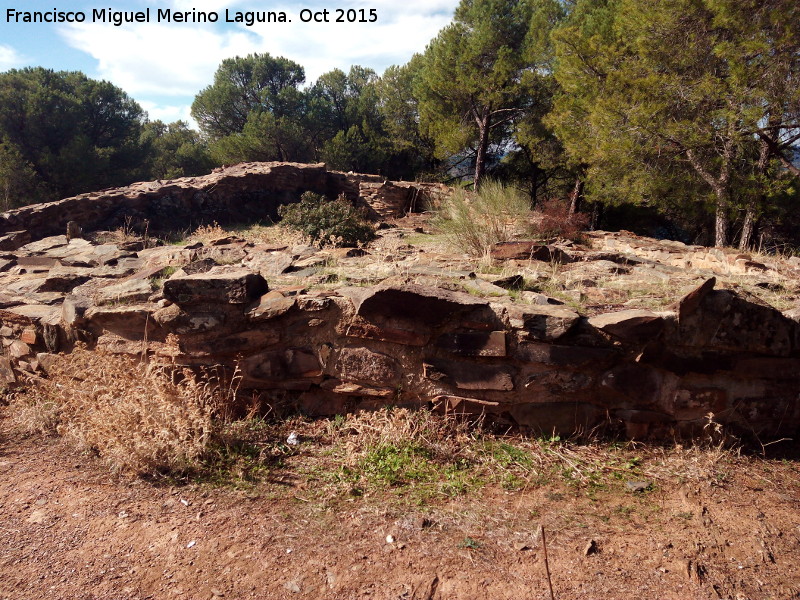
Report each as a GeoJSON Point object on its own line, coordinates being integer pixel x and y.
{"type": "Point", "coordinates": [163, 65]}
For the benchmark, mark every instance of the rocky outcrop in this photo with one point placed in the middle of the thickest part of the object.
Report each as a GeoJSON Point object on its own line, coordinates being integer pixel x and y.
{"type": "Point", "coordinates": [718, 355]}
{"type": "Point", "coordinates": [338, 330]}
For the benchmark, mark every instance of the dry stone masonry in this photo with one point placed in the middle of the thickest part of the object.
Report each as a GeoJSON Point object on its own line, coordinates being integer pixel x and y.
{"type": "Point", "coordinates": [394, 328]}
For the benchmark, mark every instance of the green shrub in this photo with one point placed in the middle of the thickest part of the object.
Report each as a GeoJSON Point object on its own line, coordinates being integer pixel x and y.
{"type": "Point", "coordinates": [327, 222]}
{"type": "Point", "coordinates": [473, 223]}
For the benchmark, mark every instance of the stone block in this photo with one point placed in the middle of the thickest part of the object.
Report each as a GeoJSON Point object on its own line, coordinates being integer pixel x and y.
{"type": "Point", "coordinates": [416, 304]}
{"type": "Point", "coordinates": [131, 322]}
{"type": "Point", "coordinates": [529, 250]}
{"type": "Point", "coordinates": [639, 383]}
{"type": "Point", "coordinates": [633, 326]}
{"type": "Point", "coordinates": [17, 349]}
{"type": "Point", "coordinates": [362, 329]}
{"type": "Point", "coordinates": [695, 403]}
{"type": "Point", "coordinates": [363, 365]}
{"type": "Point", "coordinates": [29, 336]}
{"type": "Point", "coordinates": [62, 281]}
{"type": "Point", "coordinates": [348, 388]}
{"type": "Point", "coordinates": [542, 322]}
{"type": "Point", "coordinates": [124, 292]}
{"type": "Point", "coordinates": [469, 375]}
{"type": "Point", "coordinates": [269, 264]}
{"type": "Point", "coordinates": [220, 285]}
{"type": "Point", "coordinates": [573, 357]}
{"type": "Point", "coordinates": [14, 240]}
{"type": "Point", "coordinates": [724, 321]}
{"type": "Point", "coordinates": [271, 305]}
{"type": "Point", "coordinates": [6, 372]}
{"type": "Point", "coordinates": [561, 418]}
{"type": "Point", "coordinates": [282, 364]}
{"type": "Point", "coordinates": [238, 343]}
{"type": "Point", "coordinates": [37, 264]}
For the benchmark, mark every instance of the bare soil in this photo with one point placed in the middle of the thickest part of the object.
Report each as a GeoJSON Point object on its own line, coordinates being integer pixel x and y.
{"type": "Point", "coordinates": [70, 529]}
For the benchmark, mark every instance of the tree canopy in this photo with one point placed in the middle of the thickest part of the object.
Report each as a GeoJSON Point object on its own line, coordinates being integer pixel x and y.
{"type": "Point", "coordinates": [673, 97]}
{"type": "Point", "coordinates": [688, 108]}
{"type": "Point", "coordinates": [68, 133]}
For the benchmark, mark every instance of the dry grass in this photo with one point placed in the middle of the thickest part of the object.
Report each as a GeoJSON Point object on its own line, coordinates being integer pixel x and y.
{"type": "Point", "coordinates": [473, 223]}
{"type": "Point", "coordinates": [162, 421]}
{"type": "Point", "coordinates": [138, 418]}
{"type": "Point", "coordinates": [255, 233]}
{"type": "Point", "coordinates": [206, 233]}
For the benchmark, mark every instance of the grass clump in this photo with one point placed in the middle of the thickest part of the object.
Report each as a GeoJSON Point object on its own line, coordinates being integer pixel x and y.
{"type": "Point", "coordinates": [473, 223]}
{"type": "Point", "coordinates": [146, 420]}
{"type": "Point", "coordinates": [327, 222]}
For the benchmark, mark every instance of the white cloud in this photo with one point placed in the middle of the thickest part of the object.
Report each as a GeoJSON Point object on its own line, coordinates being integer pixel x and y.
{"type": "Point", "coordinates": [151, 58]}
{"type": "Point", "coordinates": [401, 29]}
{"type": "Point", "coordinates": [168, 113]}
{"type": "Point", "coordinates": [152, 61]}
{"type": "Point", "coordinates": [10, 58]}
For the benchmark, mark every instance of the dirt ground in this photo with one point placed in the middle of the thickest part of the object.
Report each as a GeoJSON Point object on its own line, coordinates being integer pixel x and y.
{"type": "Point", "coordinates": [72, 530]}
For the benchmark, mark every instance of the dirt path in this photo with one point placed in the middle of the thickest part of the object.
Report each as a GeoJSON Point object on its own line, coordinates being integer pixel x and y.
{"type": "Point", "coordinates": [70, 530]}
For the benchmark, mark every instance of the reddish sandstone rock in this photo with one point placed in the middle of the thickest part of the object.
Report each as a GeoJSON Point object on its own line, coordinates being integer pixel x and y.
{"type": "Point", "coordinates": [726, 322]}
{"type": "Point", "coordinates": [362, 365]}
{"type": "Point", "coordinates": [470, 376]}
{"type": "Point", "coordinates": [282, 364]}
{"type": "Point", "coordinates": [272, 304]}
{"type": "Point", "coordinates": [634, 326]}
{"type": "Point", "coordinates": [474, 343]}
{"type": "Point", "coordinates": [415, 303]}
{"type": "Point", "coordinates": [220, 285]}
{"type": "Point", "coordinates": [529, 250]}
{"type": "Point", "coordinates": [542, 322]}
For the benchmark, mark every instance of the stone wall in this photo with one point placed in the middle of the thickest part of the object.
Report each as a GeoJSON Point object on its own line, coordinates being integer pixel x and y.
{"type": "Point", "coordinates": [395, 330]}
{"type": "Point", "coordinates": [246, 192]}
{"type": "Point", "coordinates": [543, 367]}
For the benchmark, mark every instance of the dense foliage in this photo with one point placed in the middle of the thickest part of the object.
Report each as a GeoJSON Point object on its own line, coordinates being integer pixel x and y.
{"type": "Point", "coordinates": [680, 116]}
{"type": "Point", "coordinates": [327, 222]}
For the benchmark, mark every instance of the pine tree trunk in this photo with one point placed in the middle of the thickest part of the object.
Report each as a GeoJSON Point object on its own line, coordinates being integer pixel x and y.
{"type": "Point", "coordinates": [575, 196]}
{"type": "Point", "coordinates": [483, 148]}
{"type": "Point", "coordinates": [721, 223]}
{"type": "Point", "coordinates": [597, 212]}
{"type": "Point", "coordinates": [748, 227]}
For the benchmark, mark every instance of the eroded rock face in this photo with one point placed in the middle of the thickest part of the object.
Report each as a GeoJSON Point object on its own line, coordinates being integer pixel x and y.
{"type": "Point", "coordinates": [398, 327]}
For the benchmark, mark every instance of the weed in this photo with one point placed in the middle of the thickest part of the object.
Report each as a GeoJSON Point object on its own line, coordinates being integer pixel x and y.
{"type": "Point", "coordinates": [470, 543]}
{"type": "Point", "coordinates": [140, 419]}
{"type": "Point", "coordinates": [157, 281]}
{"type": "Point", "coordinates": [625, 511]}
{"type": "Point", "coordinates": [473, 223]}
{"type": "Point", "coordinates": [395, 465]}
{"type": "Point", "coordinates": [552, 219]}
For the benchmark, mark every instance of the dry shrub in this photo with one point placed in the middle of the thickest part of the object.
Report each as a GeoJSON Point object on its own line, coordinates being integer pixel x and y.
{"type": "Point", "coordinates": [34, 411]}
{"type": "Point", "coordinates": [553, 220]}
{"type": "Point", "coordinates": [140, 419]}
{"type": "Point", "coordinates": [473, 223]}
{"type": "Point", "coordinates": [205, 233]}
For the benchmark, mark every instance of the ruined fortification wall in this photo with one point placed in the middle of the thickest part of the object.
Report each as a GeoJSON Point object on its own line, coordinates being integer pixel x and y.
{"type": "Point", "coordinates": [328, 348]}
{"type": "Point", "coordinates": [243, 192]}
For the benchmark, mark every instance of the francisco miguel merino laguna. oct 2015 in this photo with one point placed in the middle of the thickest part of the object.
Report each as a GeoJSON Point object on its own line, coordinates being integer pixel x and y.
{"type": "Point", "coordinates": [167, 15]}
